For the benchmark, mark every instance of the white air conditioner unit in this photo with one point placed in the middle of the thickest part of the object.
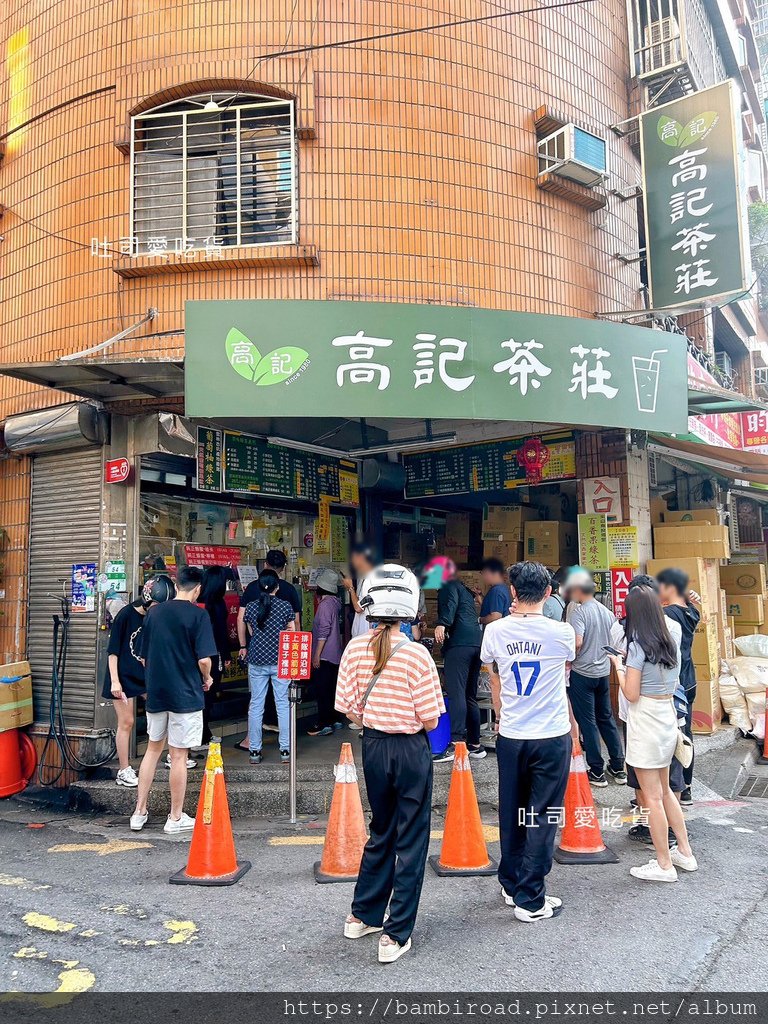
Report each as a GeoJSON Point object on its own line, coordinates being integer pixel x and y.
{"type": "Point", "coordinates": [761, 375]}
{"type": "Point", "coordinates": [723, 362]}
{"type": "Point", "coordinates": [663, 46]}
{"type": "Point", "coordinates": [574, 153]}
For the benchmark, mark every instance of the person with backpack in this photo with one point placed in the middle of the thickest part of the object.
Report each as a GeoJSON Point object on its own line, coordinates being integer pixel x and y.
{"type": "Point", "coordinates": [265, 618]}
{"type": "Point", "coordinates": [390, 686]}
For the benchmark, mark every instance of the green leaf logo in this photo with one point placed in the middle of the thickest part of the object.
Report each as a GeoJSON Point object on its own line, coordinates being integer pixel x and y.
{"type": "Point", "coordinates": [242, 354]}
{"type": "Point", "coordinates": [698, 128]}
{"type": "Point", "coordinates": [273, 368]}
{"type": "Point", "coordinates": [669, 130]}
{"type": "Point", "coordinates": [279, 365]}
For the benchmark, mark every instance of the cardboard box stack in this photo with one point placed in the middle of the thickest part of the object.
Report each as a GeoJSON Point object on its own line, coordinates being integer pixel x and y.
{"type": "Point", "coordinates": [709, 640]}
{"type": "Point", "coordinates": [691, 540]}
{"type": "Point", "coordinates": [551, 542]}
{"type": "Point", "coordinates": [15, 698]}
{"type": "Point", "coordinates": [746, 596]}
{"type": "Point", "coordinates": [694, 515]}
{"type": "Point", "coordinates": [504, 529]}
{"type": "Point", "coordinates": [457, 537]}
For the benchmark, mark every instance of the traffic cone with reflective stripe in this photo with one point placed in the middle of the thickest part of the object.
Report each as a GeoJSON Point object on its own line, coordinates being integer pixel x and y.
{"type": "Point", "coordinates": [581, 841]}
{"type": "Point", "coordinates": [763, 757]}
{"type": "Point", "coordinates": [346, 834]}
{"type": "Point", "coordinates": [212, 859]}
{"type": "Point", "coordinates": [464, 851]}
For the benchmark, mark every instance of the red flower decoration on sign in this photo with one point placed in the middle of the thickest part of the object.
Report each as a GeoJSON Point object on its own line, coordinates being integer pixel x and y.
{"type": "Point", "coordinates": [533, 456]}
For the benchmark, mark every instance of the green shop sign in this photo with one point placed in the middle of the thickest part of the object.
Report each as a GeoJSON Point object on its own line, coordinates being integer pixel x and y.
{"type": "Point", "coordinates": [378, 359]}
{"type": "Point", "coordinates": [694, 212]}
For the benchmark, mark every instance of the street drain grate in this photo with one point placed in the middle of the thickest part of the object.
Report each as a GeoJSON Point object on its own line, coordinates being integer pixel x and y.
{"type": "Point", "coordinates": [756, 786]}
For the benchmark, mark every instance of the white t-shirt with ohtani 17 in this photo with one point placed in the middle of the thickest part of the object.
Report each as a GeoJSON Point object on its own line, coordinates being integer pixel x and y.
{"type": "Point", "coordinates": [530, 652]}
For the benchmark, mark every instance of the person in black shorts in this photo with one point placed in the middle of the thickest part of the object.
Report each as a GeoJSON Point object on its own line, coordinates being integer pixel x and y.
{"type": "Point", "coordinates": [124, 678]}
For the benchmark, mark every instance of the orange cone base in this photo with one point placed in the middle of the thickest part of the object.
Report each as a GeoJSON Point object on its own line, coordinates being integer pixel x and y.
{"type": "Point", "coordinates": [762, 758]}
{"type": "Point", "coordinates": [322, 877]}
{"type": "Point", "coordinates": [443, 870]}
{"type": "Point", "coordinates": [182, 878]}
{"type": "Point", "coordinates": [604, 856]}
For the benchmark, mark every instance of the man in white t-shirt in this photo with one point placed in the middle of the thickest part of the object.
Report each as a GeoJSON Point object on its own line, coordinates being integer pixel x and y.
{"type": "Point", "coordinates": [362, 562]}
{"type": "Point", "coordinates": [527, 654]}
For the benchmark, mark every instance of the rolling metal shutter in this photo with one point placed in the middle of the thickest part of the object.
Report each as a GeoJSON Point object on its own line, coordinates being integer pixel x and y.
{"type": "Point", "coordinates": [65, 528]}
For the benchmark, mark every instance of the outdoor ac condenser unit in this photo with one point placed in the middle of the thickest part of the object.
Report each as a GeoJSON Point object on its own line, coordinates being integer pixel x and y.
{"type": "Point", "coordinates": [723, 362]}
{"type": "Point", "coordinates": [662, 49]}
{"type": "Point", "coordinates": [574, 153]}
{"type": "Point", "coordinates": [761, 375]}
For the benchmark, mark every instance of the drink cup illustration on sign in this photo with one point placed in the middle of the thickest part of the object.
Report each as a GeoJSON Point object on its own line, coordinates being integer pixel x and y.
{"type": "Point", "coordinates": [646, 372]}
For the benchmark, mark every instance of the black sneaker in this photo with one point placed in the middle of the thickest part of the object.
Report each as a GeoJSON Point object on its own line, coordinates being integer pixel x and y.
{"type": "Point", "coordinates": [285, 755]}
{"type": "Point", "coordinates": [640, 834]}
{"type": "Point", "coordinates": [598, 781]}
{"type": "Point", "coordinates": [254, 757]}
{"type": "Point", "coordinates": [619, 777]}
{"type": "Point", "coordinates": [477, 752]}
{"type": "Point", "coordinates": [447, 755]}
{"type": "Point", "coordinates": [686, 800]}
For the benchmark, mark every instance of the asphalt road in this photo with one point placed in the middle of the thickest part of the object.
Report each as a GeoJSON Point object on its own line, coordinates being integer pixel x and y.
{"type": "Point", "coordinates": [87, 906]}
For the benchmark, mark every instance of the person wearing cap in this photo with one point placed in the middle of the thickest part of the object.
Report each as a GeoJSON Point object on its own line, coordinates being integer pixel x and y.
{"type": "Point", "coordinates": [124, 678]}
{"type": "Point", "coordinates": [326, 652]}
{"type": "Point", "coordinates": [589, 686]}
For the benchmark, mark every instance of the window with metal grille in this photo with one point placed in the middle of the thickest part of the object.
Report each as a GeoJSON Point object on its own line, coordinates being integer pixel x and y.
{"type": "Point", "coordinates": [213, 171]}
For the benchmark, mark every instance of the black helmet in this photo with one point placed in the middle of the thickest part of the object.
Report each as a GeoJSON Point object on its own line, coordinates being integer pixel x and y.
{"type": "Point", "coordinates": [158, 589]}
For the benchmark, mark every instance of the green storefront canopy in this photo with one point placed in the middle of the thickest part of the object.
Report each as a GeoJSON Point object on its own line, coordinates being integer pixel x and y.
{"type": "Point", "coordinates": [266, 358]}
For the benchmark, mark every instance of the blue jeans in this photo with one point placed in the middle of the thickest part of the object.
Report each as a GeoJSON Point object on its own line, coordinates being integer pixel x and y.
{"type": "Point", "coordinates": [259, 677]}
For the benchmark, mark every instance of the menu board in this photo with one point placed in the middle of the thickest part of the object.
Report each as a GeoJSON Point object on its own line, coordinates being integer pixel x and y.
{"type": "Point", "coordinates": [491, 466]}
{"type": "Point", "coordinates": [254, 466]}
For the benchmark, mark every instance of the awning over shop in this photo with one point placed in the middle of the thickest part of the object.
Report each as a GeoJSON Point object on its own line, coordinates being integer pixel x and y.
{"type": "Point", "coordinates": [104, 380]}
{"type": "Point", "coordinates": [726, 462]}
{"type": "Point", "coordinates": [707, 400]}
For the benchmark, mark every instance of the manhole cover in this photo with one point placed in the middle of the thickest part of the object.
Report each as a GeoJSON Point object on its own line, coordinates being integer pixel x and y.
{"type": "Point", "coordinates": [756, 786]}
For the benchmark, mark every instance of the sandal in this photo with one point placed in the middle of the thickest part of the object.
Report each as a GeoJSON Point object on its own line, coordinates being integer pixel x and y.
{"type": "Point", "coordinates": [239, 746]}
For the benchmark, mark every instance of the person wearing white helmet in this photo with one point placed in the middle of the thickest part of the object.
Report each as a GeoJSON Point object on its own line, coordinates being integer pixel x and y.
{"type": "Point", "coordinates": [390, 686]}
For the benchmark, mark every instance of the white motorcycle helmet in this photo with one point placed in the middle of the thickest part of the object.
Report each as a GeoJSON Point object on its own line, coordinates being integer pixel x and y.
{"type": "Point", "coordinates": [390, 592]}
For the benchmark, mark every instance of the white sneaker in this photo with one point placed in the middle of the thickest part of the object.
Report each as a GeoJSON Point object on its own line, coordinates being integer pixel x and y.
{"type": "Point", "coordinates": [355, 728]}
{"type": "Point", "coordinates": [138, 821]}
{"type": "Point", "coordinates": [652, 872]}
{"type": "Point", "coordinates": [552, 907]}
{"type": "Point", "coordinates": [683, 862]}
{"type": "Point", "coordinates": [356, 929]}
{"type": "Point", "coordinates": [167, 762]}
{"type": "Point", "coordinates": [554, 901]}
{"type": "Point", "coordinates": [127, 777]}
{"type": "Point", "coordinates": [184, 824]}
{"type": "Point", "coordinates": [392, 951]}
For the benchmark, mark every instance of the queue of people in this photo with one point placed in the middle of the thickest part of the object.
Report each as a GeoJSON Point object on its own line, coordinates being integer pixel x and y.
{"type": "Point", "coordinates": [549, 683]}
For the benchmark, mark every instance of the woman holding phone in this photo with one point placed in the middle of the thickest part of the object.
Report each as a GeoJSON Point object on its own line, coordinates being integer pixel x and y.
{"type": "Point", "coordinates": [648, 677]}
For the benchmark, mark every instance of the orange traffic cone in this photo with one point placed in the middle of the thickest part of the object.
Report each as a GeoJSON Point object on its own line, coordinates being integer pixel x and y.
{"type": "Point", "coordinates": [463, 851]}
{"type": "Point", "coordinates": [763, 757]}
{"type": "Point", "coordinates": [346, 834]}
{"type": "Point", "coordinates": [212, 859]}
{"type": "Point", "coordinates": [580, 840]}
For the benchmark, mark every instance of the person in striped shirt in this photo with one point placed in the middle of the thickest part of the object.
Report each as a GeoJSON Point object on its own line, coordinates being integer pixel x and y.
{"type": "Point", "coordinates": [389, 685]}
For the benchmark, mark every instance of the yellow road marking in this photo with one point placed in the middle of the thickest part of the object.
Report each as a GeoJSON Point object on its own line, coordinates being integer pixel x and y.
{"type": "Point", "coordinates": [46, 923]}
{"type": "Point", "coordinates": [102, 849]}
{"type": "Point", "coordinates": [21, 883]}
{"type": "Point", "coordinates": [30, 953]}
{"type": "Point", "coordinates": [76, 979]}
{"type": "Point", "coordinates": [490, 834]}
{"type": "Point", "coordinates": [183, 931]}
{"type": "Point", "coordinates": [125, 911]}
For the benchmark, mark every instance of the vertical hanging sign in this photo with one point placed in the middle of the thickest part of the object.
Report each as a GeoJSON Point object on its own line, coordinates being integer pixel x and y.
{"type": "Point", "coordinates": [209, 460]}
{"type": "Point", "coordinates": [593, 542]}
{"type": "Point", "coordinates": [695, 218]}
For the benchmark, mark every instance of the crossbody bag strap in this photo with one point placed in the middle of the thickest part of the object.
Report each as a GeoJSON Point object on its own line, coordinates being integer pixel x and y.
{"type": "Point", "coordinates": [375, 679]}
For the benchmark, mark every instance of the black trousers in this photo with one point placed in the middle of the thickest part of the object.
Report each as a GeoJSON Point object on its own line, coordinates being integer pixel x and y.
{"type": "Point", "coordinates": [591, 702]}
{"type": "Point", "coordinates": [323, 690]}
{"type": "Point", "coordinates": [462, 670]}
{"type": "Point", "coordinates": [398, 778]}
{"type": "Point", "coordinates": [688, 730]}
{"type": "Point", "coordinates": [533, 775]}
